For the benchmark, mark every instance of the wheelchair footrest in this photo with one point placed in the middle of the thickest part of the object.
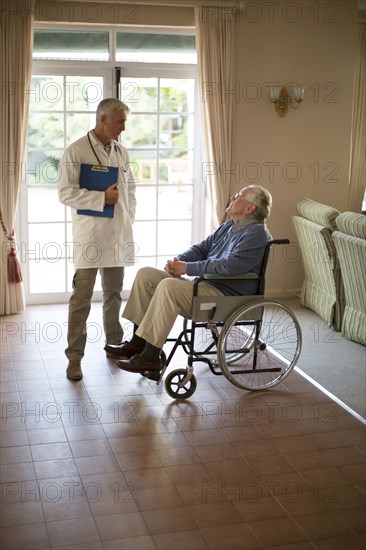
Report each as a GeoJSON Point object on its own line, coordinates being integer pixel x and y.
{"type": "Point", "coordinates": [152, 375]}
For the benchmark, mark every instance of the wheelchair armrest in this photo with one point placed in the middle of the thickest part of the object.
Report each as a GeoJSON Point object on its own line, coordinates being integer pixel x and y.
{"type": "Point", "coordinates": [241, 276]}
{"type": "Point", "coordinates": [218, 277]}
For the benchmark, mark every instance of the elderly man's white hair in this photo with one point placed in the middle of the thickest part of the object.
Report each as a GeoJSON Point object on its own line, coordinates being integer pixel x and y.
{"type": "Point", "coordinates": [262, 199]}
{"type": "Point", "coordinates": [109, 106]}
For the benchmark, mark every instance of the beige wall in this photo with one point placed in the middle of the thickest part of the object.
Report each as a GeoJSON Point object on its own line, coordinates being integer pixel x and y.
{"type": "Point", "coordinates": [307, 152]}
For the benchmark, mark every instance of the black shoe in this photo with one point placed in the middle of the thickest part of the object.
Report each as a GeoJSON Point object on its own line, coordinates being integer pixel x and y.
{"type": "Point", "coordinates": [138, 364]}
{"type": "Point", "coordinates": [126, 349]}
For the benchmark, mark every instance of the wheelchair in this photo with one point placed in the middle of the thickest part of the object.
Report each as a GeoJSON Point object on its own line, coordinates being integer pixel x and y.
{"type": "Point", "coordinates": [254, 342]}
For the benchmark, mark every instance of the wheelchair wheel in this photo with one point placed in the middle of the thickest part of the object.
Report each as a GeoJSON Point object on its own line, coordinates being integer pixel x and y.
{"type": "Point", "coordinates": [174, 386]}
{"type": "Point", "coordinates": [259, 345]}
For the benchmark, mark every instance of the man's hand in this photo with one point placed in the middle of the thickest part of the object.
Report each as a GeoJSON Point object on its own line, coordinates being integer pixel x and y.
{"type": "Point", "coordinates": [111, 194]}
{"type": "Point", "coordinates": [175, 268]}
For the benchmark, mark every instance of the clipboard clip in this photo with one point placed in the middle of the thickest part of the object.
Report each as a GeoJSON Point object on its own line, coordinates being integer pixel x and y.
{"type": "Point", "coordinates": [99, 168]}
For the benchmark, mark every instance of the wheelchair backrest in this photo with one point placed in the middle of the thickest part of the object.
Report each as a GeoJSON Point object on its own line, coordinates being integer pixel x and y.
{"type": "Point", "coordinates": [262, 274]}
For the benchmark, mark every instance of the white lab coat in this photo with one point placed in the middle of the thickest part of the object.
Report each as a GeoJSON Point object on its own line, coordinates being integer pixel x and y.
{"type": "Point", "coordinates": [98, 241]}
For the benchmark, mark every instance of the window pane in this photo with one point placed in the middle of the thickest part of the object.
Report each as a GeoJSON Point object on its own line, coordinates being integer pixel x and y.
{"type": "Point", "coordinates": [156, 48]}
{"type": "Point", "coordinates": [46, 276]}
{"type": "Point", "coordinates": [77, 45]}
{"type": "Point", "coordinates": [140, 94]}
{"type": "Point", "coordinates": [140, 131]}
{"type": "Point", "coordinates": [146, 203]}
{"type": "Point", "coordinates": [43, 167]}
{"type": "Point", "coordinates": [145, 238]}
{"type": "Point", "coordinates": [174, 130]}
{"type": "Point", "coordinates": [69, 233]}
{"type": "Point", "coordinates": [174, 237]}
{"type": "Point", "coordinates": [179, 165]}
{"type": "Point", "coordinates": [176, 95]}
{"type": "Point", "coordinates": [46, 241]}
{"type": "Point", "coordinates": [175, 202]}
{"type": "Point", "coordinates": [46, 92]}
{"type": "Point", "coordinates": [77, 126]}
{"type": "Point", "coordinates": [44, 205]}
{"type": "Point", "coordinates": [83, 93]}
{"type": "Point", "coordinates": [46, 130]}
{"type": "Point", "coordinates": [143, 166]}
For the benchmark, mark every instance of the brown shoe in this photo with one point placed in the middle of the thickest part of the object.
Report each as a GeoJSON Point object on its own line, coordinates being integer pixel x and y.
{"type": "Point", "coordinates": [126, 349]}
{"type": "Point", "coordinates": [138, 364]}
{"type": "Point", "coordinates": [73, 370]}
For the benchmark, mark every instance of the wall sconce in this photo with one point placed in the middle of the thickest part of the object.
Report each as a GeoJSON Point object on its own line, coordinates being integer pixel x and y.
{"type": "Point", "coordinates": [282, 97]}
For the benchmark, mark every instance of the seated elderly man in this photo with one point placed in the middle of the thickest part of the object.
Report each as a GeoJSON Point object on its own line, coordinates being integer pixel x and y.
{"type": "Point", "coordinates": [158, 297]}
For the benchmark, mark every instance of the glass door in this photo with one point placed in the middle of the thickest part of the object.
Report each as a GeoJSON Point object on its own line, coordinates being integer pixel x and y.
{"type": "Point", "coordinates": [160, 139]}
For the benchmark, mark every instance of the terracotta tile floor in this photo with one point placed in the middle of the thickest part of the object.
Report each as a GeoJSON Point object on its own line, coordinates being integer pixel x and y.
{"type": "Point", "coordinates": [113, 463]}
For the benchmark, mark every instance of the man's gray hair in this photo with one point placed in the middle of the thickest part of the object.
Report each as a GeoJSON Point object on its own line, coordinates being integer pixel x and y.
{"type": "Point", "coordinates": [109, 106]}
{"type": "Point", "coordinates": [262, 199]}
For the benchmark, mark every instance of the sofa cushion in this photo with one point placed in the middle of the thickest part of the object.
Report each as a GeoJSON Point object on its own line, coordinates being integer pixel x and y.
{"type": "Point", "coordinates": [318, 213]}
{"type": "Point", "coordinates": [352, 224]}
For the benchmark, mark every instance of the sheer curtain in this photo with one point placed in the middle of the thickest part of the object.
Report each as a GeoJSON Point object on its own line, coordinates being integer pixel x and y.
{"type": "Point", "coordinates": [357, 188]}
{"type": "Point", "coordinates": [215, 31]}
{"type": "Point", "coordinates": [16, 38]}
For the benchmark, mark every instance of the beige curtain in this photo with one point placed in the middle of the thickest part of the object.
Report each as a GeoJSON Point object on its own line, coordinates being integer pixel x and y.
{"type": "Point", "coordinates": [215, 31]}
{"type": "Point", "coordinates": [16, 39]}
{"type": "Point", "coordinates": [357, 186]}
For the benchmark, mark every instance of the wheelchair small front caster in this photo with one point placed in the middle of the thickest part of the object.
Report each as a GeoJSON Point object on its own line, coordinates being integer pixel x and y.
{"type": "Point", "coordinates": [179, 384]}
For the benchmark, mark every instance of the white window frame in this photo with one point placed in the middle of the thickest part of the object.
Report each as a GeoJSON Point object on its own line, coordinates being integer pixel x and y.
{"type": "Point", "coordinates": [106, 69]}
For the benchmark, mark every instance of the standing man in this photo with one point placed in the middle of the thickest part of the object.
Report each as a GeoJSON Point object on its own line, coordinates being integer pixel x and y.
{"type": "Point", "coordinates": [104, 243]}
{"type": "Point", "coordinates": [158, 297]}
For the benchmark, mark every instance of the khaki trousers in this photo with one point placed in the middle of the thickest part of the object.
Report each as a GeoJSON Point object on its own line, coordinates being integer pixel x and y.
{"type": "Point", "coordinates": [155, 301]}
{"type": "Point", "coordinates": [80, 303]}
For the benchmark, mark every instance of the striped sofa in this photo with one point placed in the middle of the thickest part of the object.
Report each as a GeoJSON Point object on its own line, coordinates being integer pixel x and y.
{"type": "Point", "coordinates": [350, 244]}
{"type": "Point", "coordinates": [322, 289]}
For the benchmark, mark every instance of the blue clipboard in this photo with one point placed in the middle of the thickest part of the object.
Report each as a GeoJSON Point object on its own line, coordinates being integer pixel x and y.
{"type": "Point", "coordinates": [98, 178]}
